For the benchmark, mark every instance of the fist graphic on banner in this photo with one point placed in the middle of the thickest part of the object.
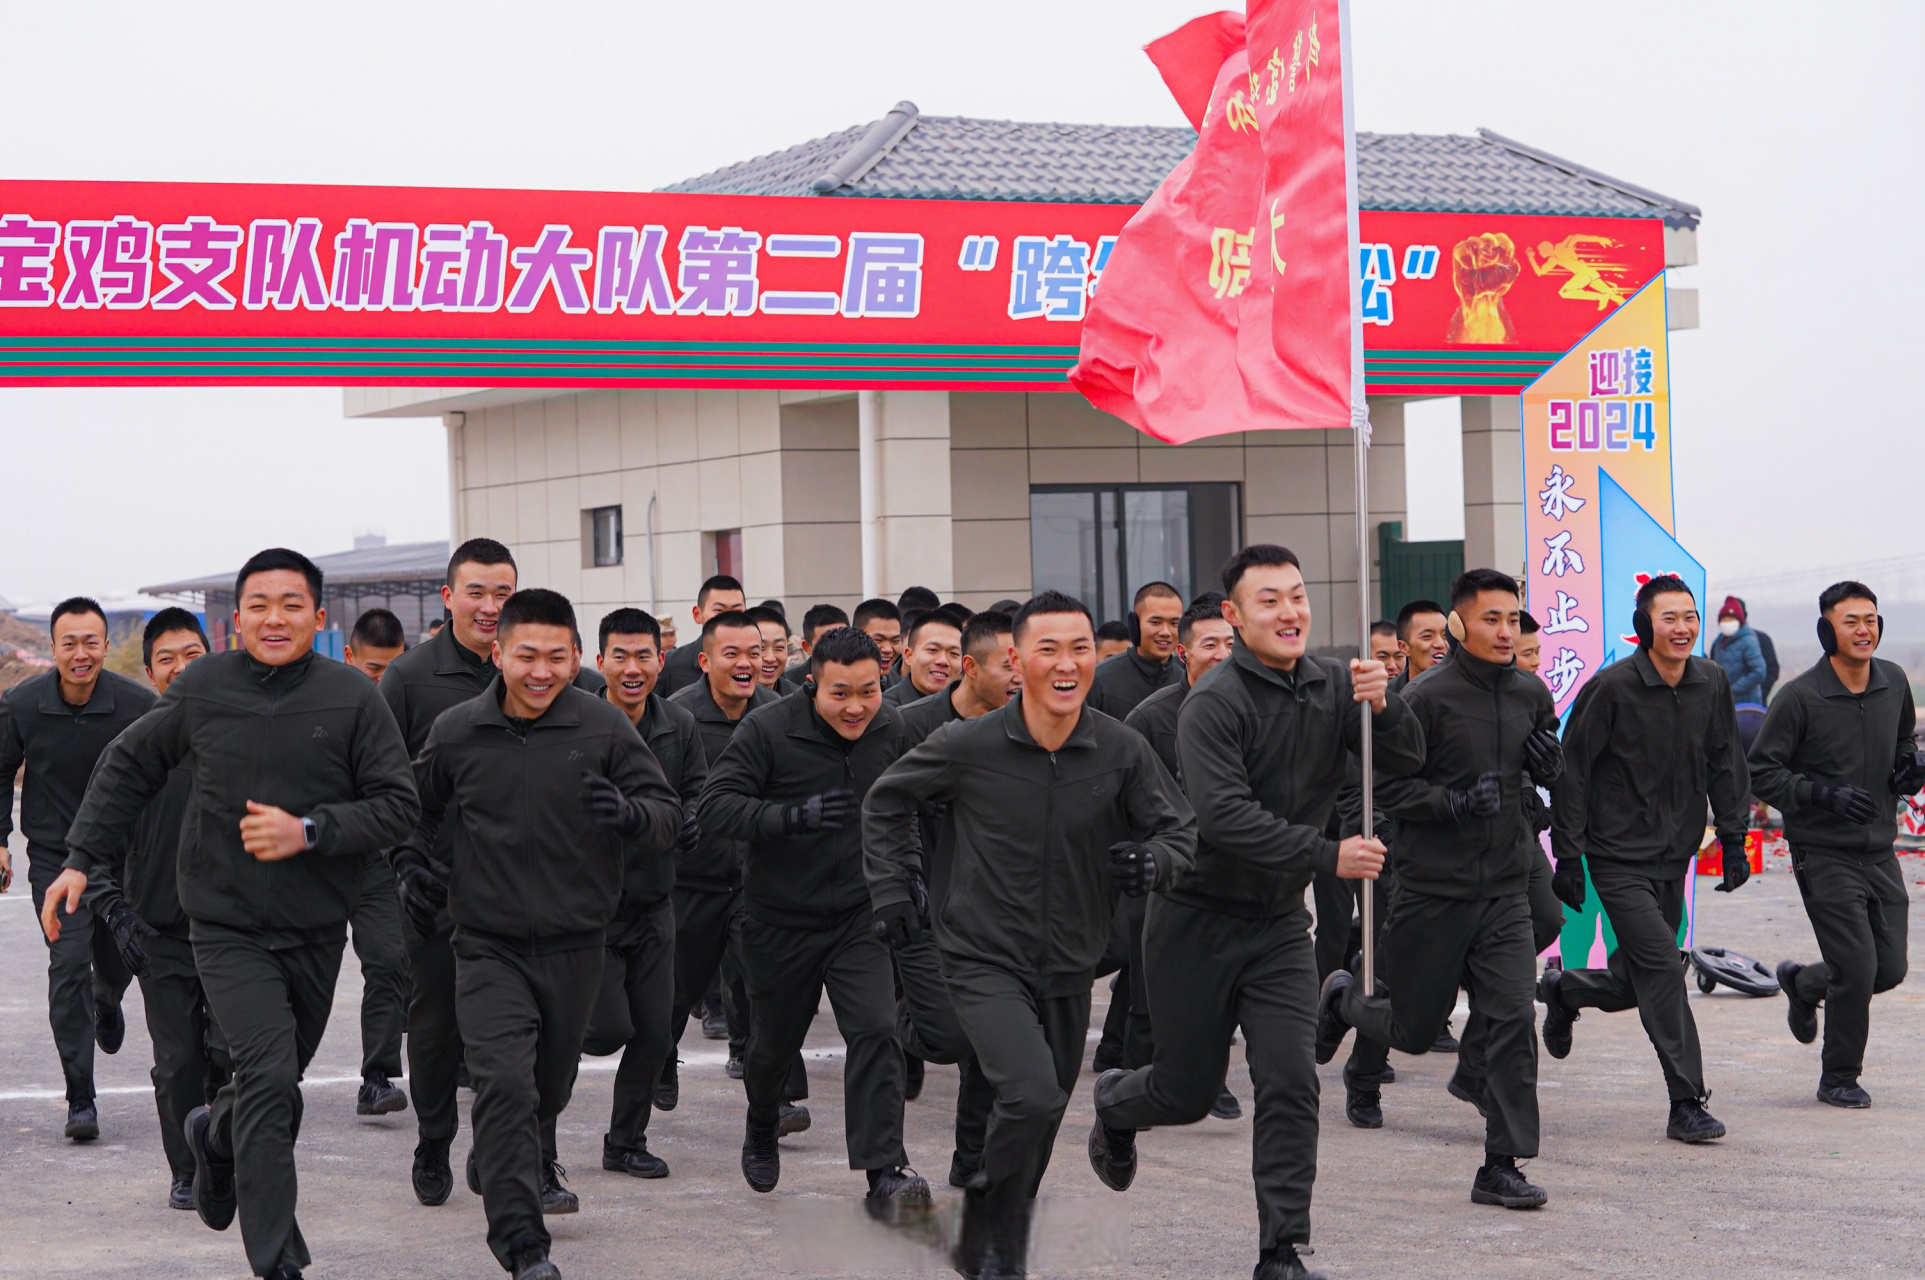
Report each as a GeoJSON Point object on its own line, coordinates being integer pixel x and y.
{"type": "Point", "coordinates": [1482, 269]}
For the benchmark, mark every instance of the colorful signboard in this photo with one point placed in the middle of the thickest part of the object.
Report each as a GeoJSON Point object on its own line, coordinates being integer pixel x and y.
{"type": "Point", "coordinates": [156, 283]}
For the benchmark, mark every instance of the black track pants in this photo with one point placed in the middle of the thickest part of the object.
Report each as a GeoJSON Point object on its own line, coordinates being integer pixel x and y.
{"type": "Point", "coordinates": [376, 930]}
{"type": "Point", "coordinates": [1858, 910]}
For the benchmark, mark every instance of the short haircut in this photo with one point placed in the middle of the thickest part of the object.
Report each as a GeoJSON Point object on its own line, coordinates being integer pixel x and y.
{"type": "Point", "coordinates": [1527, 624]}
{"type": "Point", "coordinates": [778, 607]}
{"type": "Point", "coordinates": [845, 646]}
{"type": "Point", "coordinates": [961, 612]}
{"type": "Point", "coordinates": [1155, 589]}
{"type": "Point", "coordinates": [713, 584]}
{"type": "Point", "coordinates": [910, 617]}
{"type": "Point", "coordinates": [1650, 591]}
{"type": "Point", "coordinates": [479, 551]}
{"type": "Point", "coordinates": [822, 615]}
{"type": "Point", "coordinates": [378, 629]}
{"type": "Point", "coordinates": [275, 558]}
{"type": "Point", "coordinates": [1046, 602]}
{"type": "Point", "coordinates": [77, 605]}
{"type": "Point", "coordinates": [1113, 630]}
{"type": "Point", "coordinates": [628, 622]}
{"type": "Point", "coordinates": [1265, 554]}
{"type": "Point", "coordinates": [1414, 609]}
{"type": "Point", "coordinates": [985, 631]}
{"type": "Point", "coordinates": [538, 606]}
{"type": "Point", "coordinates": [1208, 605]}
{"type": "Point", "coordinates": [1383, 627]}
{"type": "Point", "coordinates": [917, 598]}
{"type": "Point", "coordinates": [869, 610]}
{"type": "Point", "coordinates": [1470, 583]}
{"type": "Point", "coordinates": [172, 618]}
{"type": "Point", "coordinates": [1849, 589]}
{"type": "Point", "coordinates": [1005, 605]}
{"type": "Point", "coordinates": [935, 618]}
{"type": "Point", "coordinates": [762, 613]}
{"type": "Point", "coordinates": [728, 618]}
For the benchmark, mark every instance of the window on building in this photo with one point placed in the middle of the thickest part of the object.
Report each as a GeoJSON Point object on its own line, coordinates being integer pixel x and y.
{"type": "Point", "coordinates": [1100, 543]}
{"type": "Point", "coordinates": [724, 552]}
{"type": "Point", "coordinates": [601, 537]}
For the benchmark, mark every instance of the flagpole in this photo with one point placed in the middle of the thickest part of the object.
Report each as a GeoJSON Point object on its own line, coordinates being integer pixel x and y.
{"type": "Point", "coordinates": [1360, 428]}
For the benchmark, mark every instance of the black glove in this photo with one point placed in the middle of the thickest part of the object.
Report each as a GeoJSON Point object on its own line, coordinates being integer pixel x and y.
{"type": "Point", "coordinates": [1908, 774]}
{"type": "Point", "coordinates": [1135, 868]}
{"type": "Point", "coordinates": [1536, 812]}
{"type": "Point", "coordinates": [1845, 800]}
{"type": "Point", "coordinates": [691, 838]}
{"type": "Point", "coordinates": [829, 811]}
{"type": "Point", "coordinates": [1544, 757]}
{"type": "Point", "coordinates": [130, 932]}
{"type": "Point", "coordinates": [1479, 801]}
{"type": "Point", "coordinates": [899, 924]}
{"type": "Point", "coordinates": [422, 885]}
{"type": "Point", "coordinates": [1737, 864]}
{"type": "Point", "coordinates": [608, 807]}
{"type": "Point", "coordinates": [1567, 882]}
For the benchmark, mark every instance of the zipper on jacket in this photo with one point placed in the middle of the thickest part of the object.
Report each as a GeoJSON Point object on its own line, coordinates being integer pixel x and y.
{"type": "Point", "coordinates": [267, 750]}
{"type": "Point", "coordinates": [1049, 823]}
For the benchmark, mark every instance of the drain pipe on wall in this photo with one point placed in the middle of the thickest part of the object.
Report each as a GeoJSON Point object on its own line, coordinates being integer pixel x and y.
{"type": "Point", "coordinates": [869, 468]}
{"type": "Point", "coordinates": [648, 527]}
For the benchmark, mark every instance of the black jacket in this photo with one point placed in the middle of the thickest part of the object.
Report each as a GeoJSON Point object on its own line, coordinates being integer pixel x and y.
{"type": "Point", "coordinates": [147, 877]}
{"type": "Point", "coordinates": [1125, 679]}
{"type": "Point", "coordinates": [528, 863]}
{"type": "Point", "coordinates": [1264, 755]}
{"type": "Point", "coordinates": [311, 737]}
{"type": "Point", "coordinates": [671, 735]}
{"type": "Point", "coordinates": [1816, 730]}
{"type": "Point", "coordinates": [60, 745]}
{"type": "Point", "coordinates": [1640, 758]}
{"type": "Point", "coordinates": [1475, 716]}
{"type": "Point", "coordinates": [428, 679]}
{"type": "Point", "coordinates": [902, 692]}
{"type": "Point", "coordinates": [1030, 888]}
{"type": "Point", "coordinates": [920, 719]}
{"type": "Point", "coordinates": [1155, 718]}
{"type": "Point", "coordinates": [680, 669]}
{"type": "Point", "coordinates": [783, 754]}
{"type": "Point", "coordinates": [717, 864]}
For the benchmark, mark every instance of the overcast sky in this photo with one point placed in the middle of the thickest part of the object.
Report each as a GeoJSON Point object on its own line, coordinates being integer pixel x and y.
{"type": "Point", "coordinates": [1795, 127]}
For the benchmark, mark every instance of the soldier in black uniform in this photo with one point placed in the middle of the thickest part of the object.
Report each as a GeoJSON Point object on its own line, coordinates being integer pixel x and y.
{"type": "Point", "coordinates": [452, 667]}
{"type": "Point", "coordinates": [927, 1021]}
{"type": "Point", "coordinates": [718, 594]}
{"type": "Point", "coordinates": [1834, 754]}
{"type": "Point", "coordinates": [57, 725]}
{"type": "Point", "coordinates": [1263, 739]}
{"type": "Point", "coordinates": [708, 883]}
{"type": "Point", "coordinates": [1462, 909]}
{"type": "Point", "coordinates": [137, 901]}
{"type": "Point", "coordinates": [931, 657]}
{"type": "Point", "coordinates": [1151, 662]}
{"type": "Point", "coordinates": [638, 973]}
{"type": "Point", "coordinates": [1647, 740]}
{"type": "Point", "coordinates": [789, 784]}
{"type": "Point", "coordinates": [299, 777]}
{"type": "Point", "coordinates": [1053, 810]}
{"type": "Point", "coordinates": [882, 622]}
{"type": "Point", "coordinates": [552, 795]}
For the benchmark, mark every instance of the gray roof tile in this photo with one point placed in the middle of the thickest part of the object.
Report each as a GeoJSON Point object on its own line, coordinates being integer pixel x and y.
{"type": "Point", "coordinates": [958, 158]}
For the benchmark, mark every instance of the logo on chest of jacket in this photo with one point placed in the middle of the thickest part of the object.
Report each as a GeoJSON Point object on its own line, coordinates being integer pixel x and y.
{"type": "Point", "coordinates": [576, 755]}
{"type": "Point", "coordinates": [320, 732]}
{"type": "Point", "coordinates": [1096, 792]}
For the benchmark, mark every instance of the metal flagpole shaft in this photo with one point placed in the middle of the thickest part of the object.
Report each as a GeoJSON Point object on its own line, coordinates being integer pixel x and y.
{"type": "Point", "coordinates": [1362, 432]}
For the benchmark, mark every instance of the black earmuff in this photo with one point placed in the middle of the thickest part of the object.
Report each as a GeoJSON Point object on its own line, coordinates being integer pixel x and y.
{"type": "Point", "coordinates": [1135, 624]}
{"type": "Point", "coordinates": [1828, 635]}
{"type": "Point", "coordinates": [1641, 624]}
{"type": "Point", "coordinates": [808, 687]}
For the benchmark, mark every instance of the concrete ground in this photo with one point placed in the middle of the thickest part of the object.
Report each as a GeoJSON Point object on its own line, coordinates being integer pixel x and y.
{"type": "Point", "coordinates": [1799, 1189]}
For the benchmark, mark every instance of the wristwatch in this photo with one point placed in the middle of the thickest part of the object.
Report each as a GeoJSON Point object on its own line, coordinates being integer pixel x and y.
{"type": "Point", "coordinates": [308, 832]}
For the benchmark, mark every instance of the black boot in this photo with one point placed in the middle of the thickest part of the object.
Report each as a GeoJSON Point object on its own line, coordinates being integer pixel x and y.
{"type": "Point", "coordinates": [180, 1193]}
{"type": "Point", "coordinates": [896, 1191]}
{"type": "Point", "coordinates": [213, 1176]}
{"type": "Point", "coordinates": [1848, 1096]}
{"type": "Point", "coordinates": [793, 1118]}
{"type": "Point", "coordinates": [668, 1090]}
{"type": "Point", "coordinates": [715, 1024]}
{"type": "Point", "coordinates": [1558, 1017]}
{"type": "Point", "coordinates": [761, 1160]}
{"type": "Point", "coordinates": [529, 1261]}
{"type": "Point", "coordinates": [1500, 1182]}
{"type": "Point", "coordinates": [286, 1271]}
{"type": "Point", "coordinates": [474, 1172]}
{"type": "Point", "coordinates": [1690, 1122]}
{"type": "Point", "coordinates": [1282, 1263]}
{"type": "Point", "coordinates": [636, 1162]}
{"type": "Point", "coordinates": [1112, 1153]}
{"type": "Point", "coordinates": [1226, 1106]}
{"type": "Point", "coordinates": [1331, 1027]}
{"type": "Point", "coordinates": [1363, 1107]}
{"type": "Point", "coordinates": [734, 1068]}
{"type": "Point", "coordinates": [433, 1179]}
{"type": "Point", "coordinates": [110, 1025]}
{"type": "Point", "coordinates": [960, 1170]}
{"type": "Point", "coordinates": [555, 1195]}
{"type": "Point", "coordinates": [1802, 1017]}
{"type": "Point", "coordinates": [83, 1121]}
{"type": "Point", "coordinates": [1445, 1041]}
{"type": "Point", "coordinates": [912, 1073]}
{"type": "Point", "coordinates": [1471, 1089]}
{"type": "Point", "coordinates": [378, 1097]}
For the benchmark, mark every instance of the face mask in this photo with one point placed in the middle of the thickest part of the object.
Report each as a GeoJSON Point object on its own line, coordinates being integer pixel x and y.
{"type": "Point", "coordinates": [1727, 626]}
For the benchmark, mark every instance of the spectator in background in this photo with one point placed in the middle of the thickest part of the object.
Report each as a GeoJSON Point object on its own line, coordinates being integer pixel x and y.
{"type": "Point", "coordinates": [1738, 651]}
{"type": "Point", "coordinates": [1530, 643]}
{"type": "Point", "coordinates": [1112, 638]}
{"type": "Point", "coordinates": [434, 628]}
{"type": "Point", "coordinates": [1766, 648]}
{"type": "Point", "coordinates": [377, 640]}
{"type": "Point", "coordinates": [1384, 647]}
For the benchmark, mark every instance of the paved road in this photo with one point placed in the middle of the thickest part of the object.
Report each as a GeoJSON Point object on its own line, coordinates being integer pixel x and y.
{"type": "Point", "coordinates": [1797, 1190]}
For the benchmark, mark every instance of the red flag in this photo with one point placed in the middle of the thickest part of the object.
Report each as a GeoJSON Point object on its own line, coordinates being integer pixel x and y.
{"type": "Point", "coordinates": [1176, 342]}
{"type": "Point", "coordinates": [1298, 91]}
{"type": "Point", "coordinates": [1190, 57]}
